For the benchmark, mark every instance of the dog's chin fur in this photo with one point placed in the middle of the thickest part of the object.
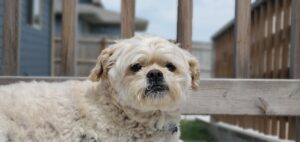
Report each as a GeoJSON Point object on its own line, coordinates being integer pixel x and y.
{"type": "Point", "coordinates": [115, 106]}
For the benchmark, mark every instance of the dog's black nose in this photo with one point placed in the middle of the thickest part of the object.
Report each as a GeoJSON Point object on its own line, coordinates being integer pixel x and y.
{"type": "Point", "coordinates": [155, 75]}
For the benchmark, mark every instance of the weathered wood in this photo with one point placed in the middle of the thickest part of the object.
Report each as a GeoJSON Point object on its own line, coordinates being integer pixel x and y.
{"type": "Point", "coordinates": [226, 96]}
{"type": "Point", "coordinates": [286, 38]}
{"type": "Point", "coordinates": [269, 43]}
{"type": "Point", "coordinates": [184, 23]}
{"type": "Point", "coordinates": [69, 37]}
{"type": "Point", "coordinates": [274, 126]}
{"type": "Point", "coordinates": [255, 44]}
{"type": "Point", "coordinates": [262, 27]}
{"type": "Point", "coordinates": [295, 40]}
{"type": "Point", "coordinates": [127, 21]}
{"type": "Point", "coordinates": [292, 128]}
{"type": "Point", "coordinates": [52, 62]}
{"type": "Point", "coordinates": [4, 80]}
{"type": "Point", "coordinates": [297, 129]}
{"type": "Point", "coordinates": [242, 38]}
{"type": "Point", "coordinates": [245, 97]}
{"type": "Point", "coordinates": [295, 52]}
{"type": "Point", "coordinates": [282, 127]}
{"type": "Point", "coordinates": [11, 37]}
{"type": "Point", "coordinates": [103, 44]}
{"type": "Point", "coordinates": [277, 40]}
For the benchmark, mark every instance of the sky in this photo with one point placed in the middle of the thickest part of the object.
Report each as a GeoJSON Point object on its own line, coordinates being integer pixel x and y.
{"type": "Point", "coordinates": [208, 16]}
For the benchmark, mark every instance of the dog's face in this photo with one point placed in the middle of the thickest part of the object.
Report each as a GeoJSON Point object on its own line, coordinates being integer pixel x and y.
{"type": "Point", "coordinates": [148, 73]}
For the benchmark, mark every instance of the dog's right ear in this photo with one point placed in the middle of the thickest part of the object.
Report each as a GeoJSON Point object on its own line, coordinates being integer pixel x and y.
{"type": "Point", "coordinates": [103, 64]}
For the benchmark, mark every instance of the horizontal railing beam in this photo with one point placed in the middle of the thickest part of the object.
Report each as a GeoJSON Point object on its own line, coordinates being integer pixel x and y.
{"type": "Point", "coordinates": [245, 97]}
{"type": "Point", "coordinates": [4, 80]}
{"type": "Point", "coordinates": [226, 96]}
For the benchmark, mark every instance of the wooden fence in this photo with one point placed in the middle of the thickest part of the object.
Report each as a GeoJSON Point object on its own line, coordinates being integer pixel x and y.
{"type": "Point", "coordinates": [273, 52]}
{"type": "Point", "coordinates": [88, 49]}
{"type": "Point", "coordinates": [265, 98]}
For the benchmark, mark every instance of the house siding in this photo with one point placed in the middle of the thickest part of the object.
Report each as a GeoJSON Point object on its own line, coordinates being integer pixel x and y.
{"type": "Point", "coordinates": [35, 44]}
{"type": "Point", "coordinates": [1, 32]}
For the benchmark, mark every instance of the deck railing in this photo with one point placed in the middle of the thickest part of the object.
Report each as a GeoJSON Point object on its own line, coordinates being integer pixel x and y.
{"type": "Point", "coordinates": [218, 97]}
{"type": "Point", "coordinates": [272, 52]}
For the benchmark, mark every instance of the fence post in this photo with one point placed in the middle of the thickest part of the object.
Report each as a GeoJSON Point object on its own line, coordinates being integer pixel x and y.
{"type": "Point", "coordinates": [297, 129]}
{"type": "Point", "coordinates": [242, 38]}
{"type": "Point", "coordinates": [69, 37]}
{"type": "Point", "coordinates": [52, 60]}
{"type": "Point", "coordinates": [11, 37]}
{"type": "Point", "coordinates": [184, 23]}
{"type": "Point", "coordinates": [295, 52]}
{"type": "Point", "coordinates": [128, 18]}
{"type": "Point", "coordinates": [242, 43]}
{"type": "Point", "coordinates": [103, 44]}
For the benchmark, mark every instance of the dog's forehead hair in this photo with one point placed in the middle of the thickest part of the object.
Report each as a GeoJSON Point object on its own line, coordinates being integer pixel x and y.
{"type": "Point", "coordinates": [148, 51]}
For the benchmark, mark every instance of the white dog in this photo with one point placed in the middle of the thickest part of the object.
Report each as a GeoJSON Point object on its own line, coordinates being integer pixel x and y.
{"type": "Point", "coordinates": [133, 95]}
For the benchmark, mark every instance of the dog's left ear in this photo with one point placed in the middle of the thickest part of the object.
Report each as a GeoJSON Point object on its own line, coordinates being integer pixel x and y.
{"type": "Point", "coordinates": [103, 64]}
{"type": "Point", "coordinates": [195, 72]}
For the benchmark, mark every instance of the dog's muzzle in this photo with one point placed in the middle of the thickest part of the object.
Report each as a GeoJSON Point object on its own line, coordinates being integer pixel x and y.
{"type": "Point", "coordinates": [156, 84]}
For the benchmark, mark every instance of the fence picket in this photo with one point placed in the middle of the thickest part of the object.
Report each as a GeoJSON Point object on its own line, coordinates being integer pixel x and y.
{"type": "Point", "coordinates": [128, 18]}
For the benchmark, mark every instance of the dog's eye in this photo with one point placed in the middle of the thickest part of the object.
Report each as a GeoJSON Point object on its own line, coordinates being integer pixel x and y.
{"type": "Point", "coordinates": [171, 67]}
{"type": "Point", "coordinates": [136, 67]}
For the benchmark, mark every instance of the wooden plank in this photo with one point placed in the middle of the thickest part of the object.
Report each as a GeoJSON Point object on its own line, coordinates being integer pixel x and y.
{"type": "Point", "coordinates": [295, 40]}
{"type": "Point", "coordinates": [255, 39]}
{"type": "Point", "coordinates": [269, 39]}
{"type": "Point", "coordinates": [277, 39]}
{"type": "Point", "coordinates": [52, 62]}
{"type": "Point", "coordinates": [103, 44]}
{"type": "Point", "coordinates": [227, 96]}
{"type": "Point", "coordinates": [292, 128]}
{"type": "Point", "coordinates": [127, 19]}
{"type": "Point", "coordinates": [69, 37]}
{"type": "Point", "coordinates": [282, 127]}
{"type": "Point", "coordinates": [297, 129]}
{"type": "Point", "coordinates": [246, 97]}
{"type": "Point", "coordinates": [256, 123]}
{"type": "Point", "coordinates": [286, 39]}
{"type": "Point", "coordinates": [11, 37]}
{"type": "Point", "coordinates": [242, 38]}
{"type": "Point", "coordinates": [295, 52]}
{"type": "Point", "coordinates": [262, 17]}
{"type": "Point", "coordinates": [4, 80]}
{"type": "Point", "coordinates": [184, 23]}
{"type": "Point", "coordinates": [268, 125]}
{"type": "Point", "coordinates": [274, 126]}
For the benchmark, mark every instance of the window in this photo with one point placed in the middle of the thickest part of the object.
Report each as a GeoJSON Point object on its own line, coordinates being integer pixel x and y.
{"type": "Point", "coordinates": [35, 13]}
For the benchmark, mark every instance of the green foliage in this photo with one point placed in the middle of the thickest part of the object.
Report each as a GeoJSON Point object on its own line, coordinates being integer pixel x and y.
{"type": "Point", "coordinates": [194, 131]}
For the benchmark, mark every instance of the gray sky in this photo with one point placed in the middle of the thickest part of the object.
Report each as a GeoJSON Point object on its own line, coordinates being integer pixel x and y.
{"type": "Point", "coordinates": [208, 16]}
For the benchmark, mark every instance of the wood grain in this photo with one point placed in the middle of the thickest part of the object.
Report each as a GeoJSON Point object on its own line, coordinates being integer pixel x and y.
{"type": "Point", "coordinates": [295, 40]}
{"type": "Point", "coordinates": [286, 38]}
{"type": "Point", "coordinates": [246, 97]}
{"type": "Point", "coordinates": [262, 29]}
{"type": "Point", "coordinates": [11, 37]}
{"type": "Point", "coordinates": [297, 133]}
{"type": "Point", "coordinates": [295, 52]}
{"type": "Point", "coordinates": [269, 43]}
{"type": "Point", "coordinates": [184, 23]}
{"type": "Point", "coordinates": [69, 37]}
{"type": "Point", "coordinates": [277, 39]}
{"type": "Point", "coordinates": [242, 38]}
{"type": "Point", "coordinates": [127, 19]}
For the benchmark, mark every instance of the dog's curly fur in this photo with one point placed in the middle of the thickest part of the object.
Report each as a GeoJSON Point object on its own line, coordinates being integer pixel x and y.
{"type": "Point", "coordinates": [110, 107]}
